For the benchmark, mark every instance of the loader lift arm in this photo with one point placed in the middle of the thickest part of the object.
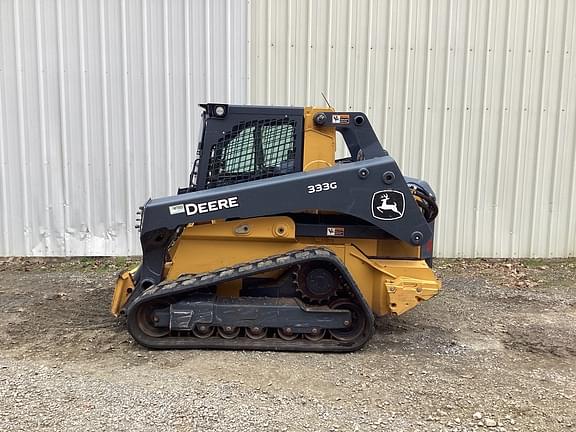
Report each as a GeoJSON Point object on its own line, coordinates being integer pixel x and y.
{"type": "Point", "coordinates": [278, 195]}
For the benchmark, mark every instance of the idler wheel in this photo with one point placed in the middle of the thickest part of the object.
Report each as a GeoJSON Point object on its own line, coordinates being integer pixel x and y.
{"type": "Point", "coordinates": [286, 334]}
{"type": "Point", "coordinates": [203, 331]}
{"type": "Point", "coordinates": [353, 329]}
{"type": "Point", "coordinates": [146, 317]}
{"type": "Point", "coordinates": [228, 332]}
{"type": "Point", "coordinates": [256, 332]}
{"type": "Point", "coordinates": [315, 335]}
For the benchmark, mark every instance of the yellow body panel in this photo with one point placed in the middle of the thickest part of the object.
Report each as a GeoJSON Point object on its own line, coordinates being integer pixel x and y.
{"type": "Point", "coordinates": [390, 285]}
{"type": "Point", "coordinates": [319, 142]}
{"type": "Point", "coordinates": [124, 286]}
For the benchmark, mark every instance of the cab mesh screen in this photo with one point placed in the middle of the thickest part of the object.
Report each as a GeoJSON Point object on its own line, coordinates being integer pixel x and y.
{"type": "Point", "coordinates": [253, 150]}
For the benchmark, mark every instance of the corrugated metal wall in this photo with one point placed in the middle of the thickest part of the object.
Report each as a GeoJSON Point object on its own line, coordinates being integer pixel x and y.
{"type": "Point", "coordinates": [98, 107]}
{"type": "Point", "coordinates": [477, 96]}
{"type": "Point", "coordinates": [98, 112]}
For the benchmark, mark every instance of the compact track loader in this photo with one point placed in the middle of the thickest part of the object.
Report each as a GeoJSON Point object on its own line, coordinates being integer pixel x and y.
{"type": "Point", "coordinates": [275, 245]}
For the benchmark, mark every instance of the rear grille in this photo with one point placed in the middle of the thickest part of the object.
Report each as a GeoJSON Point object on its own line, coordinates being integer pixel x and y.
{"type": "Point", "coordinates": [253, 150]}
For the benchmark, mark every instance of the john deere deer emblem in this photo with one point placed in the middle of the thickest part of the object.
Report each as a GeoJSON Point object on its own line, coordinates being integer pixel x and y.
{"type": "Point", "coordinates": [388, 205]}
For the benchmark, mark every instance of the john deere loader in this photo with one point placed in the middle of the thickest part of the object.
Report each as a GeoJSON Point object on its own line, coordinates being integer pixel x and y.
{"type": "Point", "coordinates": [274, 244]}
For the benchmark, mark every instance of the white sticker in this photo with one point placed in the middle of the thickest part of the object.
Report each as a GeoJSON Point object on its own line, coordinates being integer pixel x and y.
{"type": "Point", "coordinates": [177, 209]}
{"type": "Point", "coordinates": [335, 231]}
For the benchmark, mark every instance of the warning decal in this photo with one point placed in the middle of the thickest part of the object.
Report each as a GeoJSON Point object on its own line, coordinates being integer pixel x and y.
{"type": "Point", "coordinates": [342, 119]}
{"type": "Point", "coordinates": [335, 231]}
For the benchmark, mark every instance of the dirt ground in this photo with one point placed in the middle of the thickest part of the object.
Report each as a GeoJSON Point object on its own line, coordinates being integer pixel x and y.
{"type": "Point", "coordinates": [496, 350]}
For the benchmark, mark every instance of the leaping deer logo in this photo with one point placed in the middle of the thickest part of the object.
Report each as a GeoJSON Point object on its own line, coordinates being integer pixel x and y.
{"type": "Point", "coordinates": [386, 206]}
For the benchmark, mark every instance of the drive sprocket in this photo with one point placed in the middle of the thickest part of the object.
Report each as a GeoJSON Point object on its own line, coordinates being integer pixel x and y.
{"type": "Point", "coordinates": [318, 283]}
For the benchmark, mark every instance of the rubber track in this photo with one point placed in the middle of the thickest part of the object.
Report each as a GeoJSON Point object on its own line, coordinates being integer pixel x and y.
{"type": "Point", "coordinates": [187, 284]}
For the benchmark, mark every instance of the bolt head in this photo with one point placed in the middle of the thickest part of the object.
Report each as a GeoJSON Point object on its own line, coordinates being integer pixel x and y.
{"type": "Point", "coordinates": [320, 119]}
{"type": "Point", "coordinates": [388, 177]}
{"type": "Point", "coordinates": [416, 238]}
{"type": "Point", "coordinates": [363, 173]}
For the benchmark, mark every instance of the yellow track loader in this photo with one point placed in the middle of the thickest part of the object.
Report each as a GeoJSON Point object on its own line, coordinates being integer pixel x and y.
{"type": "Point", "coordinates": [274, 244]}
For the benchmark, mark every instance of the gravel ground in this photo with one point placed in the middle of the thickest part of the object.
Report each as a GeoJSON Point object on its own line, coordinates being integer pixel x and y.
{"type": "Point", "coordinates": [495, 351]}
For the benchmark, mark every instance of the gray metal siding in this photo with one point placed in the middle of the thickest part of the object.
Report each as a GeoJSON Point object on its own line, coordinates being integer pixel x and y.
{"type": "Point", "coordinates": [98, 107]}
{"type": "Point", "coordinates": [98, 112]}
{"type": "Point", "coordinates": [478, 97]}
